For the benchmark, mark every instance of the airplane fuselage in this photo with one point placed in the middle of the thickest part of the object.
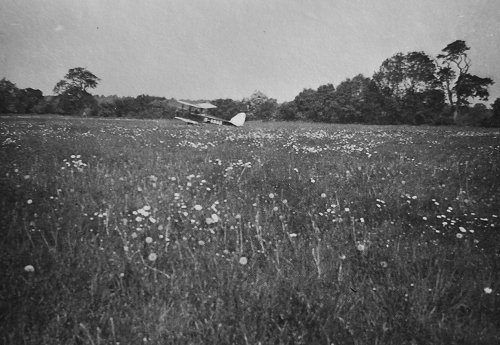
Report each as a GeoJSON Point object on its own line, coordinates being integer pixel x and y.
{"type": "Point", "coordinates": [213, 121]}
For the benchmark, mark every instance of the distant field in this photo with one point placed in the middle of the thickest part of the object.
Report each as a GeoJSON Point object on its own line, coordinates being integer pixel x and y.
{"type": "Point", "coordinates": [155, 232]}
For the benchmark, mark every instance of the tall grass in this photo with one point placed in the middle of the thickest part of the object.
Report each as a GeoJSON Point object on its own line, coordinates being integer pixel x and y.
{"type": "Point", "coordinates": [153, 232]}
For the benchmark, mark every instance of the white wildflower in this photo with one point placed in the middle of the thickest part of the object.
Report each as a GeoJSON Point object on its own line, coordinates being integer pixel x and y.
{"type": "Point", "coordinates": [29, 268]}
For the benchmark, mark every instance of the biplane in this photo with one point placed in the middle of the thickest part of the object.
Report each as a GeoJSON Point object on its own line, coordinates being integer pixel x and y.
{"type": "Point", "coordinates": [198, 113]}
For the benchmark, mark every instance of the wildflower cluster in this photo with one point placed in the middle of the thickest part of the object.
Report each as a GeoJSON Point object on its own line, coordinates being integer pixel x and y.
{"type": "Point", "coordinates": [9, 141]}
{"type": "Point", "coordinates": [143, 215]}
{"type": "Point", "coordinates": [142, 231]}
{"type": "Point", "coordinates": [458, 224]}
{"type": "Point", "coordinates": [345, 142]}
{"type": "Point", "coordinates": [235, 169]}
{"type": "Point", "coordinates": [200, 146]}
{"type": "Point", "coordinates": [74, 163]}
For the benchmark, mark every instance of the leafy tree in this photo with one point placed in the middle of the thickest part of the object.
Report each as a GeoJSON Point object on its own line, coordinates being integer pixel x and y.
{"type": "Point", "coordinates": [260, 106]}
{"type": "Point", "coordinates": [267, 110]}
{"type": "Point", "coordinates": [160, 107]}
{"type": "Point", "coordinates": [305, 104]}
{"type": "Point", "coordinates": [496, 108]}
{"type": "Point", "coordinates": [144, 102]}
{"type": "Point", "coordinates": [28, 99]}
{"type": "Point", "coordinates": [376, 107]}
{"type": "Point", "coordinates": [494, 121]}
{"type": "Point", "coordinates": [457, 82]}
{"type": "Point", "coordinates": [77, 78]}
{"type": "Point", "coordinates": [107, 109]}
{"type": "Point", "coordinates": [403, 74]}
{"type": "Point", "coordinates": [287, 111]}
{"type": "Point", "coordinates": [326, 104]}
{"type": "Point", "coordinates": [407, 79]}
{"type": "Point", "coordinates": [476, 115]}
{"type": "Point", "coordinates": [227, 108]}
{"type": "Point", "coordinates": [8, 96]}
{"type": "Point", "coordinates": [359, 100]}
{"type": "Point", "coordinates": [352, 96]}
{"type": "Point", "coordinates": [73, 90]}
{"type": "Point", "coordinates": [14, 100]}
{"type": "Point", "coordinates": [472, 86]}
{"type": "Point", "coordinates": [125, 106]}
{"type": "Point", "coordinates": [142, 106]}
{"type": "Point", "coordinates": [317, 105]}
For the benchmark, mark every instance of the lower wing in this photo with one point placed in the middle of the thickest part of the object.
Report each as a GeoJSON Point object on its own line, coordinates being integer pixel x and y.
{"type": "Point", "coordinates": [186, 120]}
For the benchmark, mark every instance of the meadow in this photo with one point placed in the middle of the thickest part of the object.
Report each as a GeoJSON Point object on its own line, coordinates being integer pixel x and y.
{"type": "Point", "coordinates": [156, 232]}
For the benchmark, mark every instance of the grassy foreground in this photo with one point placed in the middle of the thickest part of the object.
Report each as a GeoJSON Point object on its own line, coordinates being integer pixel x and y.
{"type": "Point", "coordinates": [154, 232]}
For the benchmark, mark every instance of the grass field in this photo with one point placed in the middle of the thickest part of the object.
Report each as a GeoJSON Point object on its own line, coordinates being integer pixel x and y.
{"type": "Point", "coordinates": [155, 232]}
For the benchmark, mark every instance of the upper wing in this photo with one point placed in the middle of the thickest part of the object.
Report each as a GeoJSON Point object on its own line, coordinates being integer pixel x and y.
{"type": "Point", "coordinates": [206, 105]}
{"type": "Point", "coordinates": [199, 105]}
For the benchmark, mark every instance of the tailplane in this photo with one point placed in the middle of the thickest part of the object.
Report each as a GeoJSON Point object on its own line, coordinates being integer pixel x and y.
{"type": "Point", "coordinates": [239, 119]}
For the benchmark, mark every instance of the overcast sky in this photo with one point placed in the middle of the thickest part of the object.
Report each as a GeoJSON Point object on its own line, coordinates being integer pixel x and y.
{"type": "Point", "coordinates": [229, 48]}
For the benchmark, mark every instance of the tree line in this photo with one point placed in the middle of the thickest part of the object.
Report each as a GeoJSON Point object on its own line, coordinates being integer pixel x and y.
{"type": "Point", "coordinates": [411, 88]}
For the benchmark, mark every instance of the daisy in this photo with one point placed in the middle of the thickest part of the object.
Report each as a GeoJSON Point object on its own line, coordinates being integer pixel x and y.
{"type": "Point", "coordinates": [361, 247]}
{"type": "Point", "coordinates": [152, 257]}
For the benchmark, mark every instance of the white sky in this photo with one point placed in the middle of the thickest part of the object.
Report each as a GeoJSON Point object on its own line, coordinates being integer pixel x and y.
{"type": "Point", "coordinates": [229, 48]}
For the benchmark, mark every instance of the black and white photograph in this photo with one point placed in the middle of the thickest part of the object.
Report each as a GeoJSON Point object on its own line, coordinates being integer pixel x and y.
{"type": "Point", "coordinates": [250, 172]}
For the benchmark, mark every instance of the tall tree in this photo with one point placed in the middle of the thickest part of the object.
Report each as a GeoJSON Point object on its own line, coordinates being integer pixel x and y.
{"type": "Point", "coordinates": [457, 82]}
{"type": "Point", "coordinates": [317, 105]}
{"type": "Point", "coordinates": [407, 78]}
{"type": "Point", "coordinates": [406, 73]}
{"type": "Point", "coordinates": [227, 108]}
{"type": "Point", "coordinates": [73, 89]}
{"type": "Point", "coordinates": [261, 107]}
{"type": "Point", "coordinates": [495, 118]}
{"type": "Point", "coordinates": [287, 111]}
{"type": "Point", "coordinates": [8, 96]}
{"type": "Point", "coordinates": [496, 109]}
{"type": "Point", "coordinates": [28, 99]}
{"type": "Point", "coordinates": [305, 104]}
{"type": "Point", "coordinates": [326, 104]}
{"type": "Point", "coordinates": [351, 97]}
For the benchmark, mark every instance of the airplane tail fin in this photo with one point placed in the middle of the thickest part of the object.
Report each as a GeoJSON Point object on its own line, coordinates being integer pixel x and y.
{"type": "Point", "coordinates": [239, 119]}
